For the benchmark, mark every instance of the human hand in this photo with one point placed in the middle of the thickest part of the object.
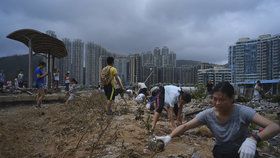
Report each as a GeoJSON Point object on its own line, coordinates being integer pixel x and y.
{"type": "Point", "coordinates": [165, 139]}
{"type": "Point", "coordinates": [248, 148]}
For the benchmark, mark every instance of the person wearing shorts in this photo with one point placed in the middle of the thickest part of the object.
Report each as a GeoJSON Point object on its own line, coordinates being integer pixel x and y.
{"type": "Point", "coordinates": [110, 89]}
{"type": "Point", "coordinates": [171, 98]}
{"type": "Point", "coordinates": [40, 83]}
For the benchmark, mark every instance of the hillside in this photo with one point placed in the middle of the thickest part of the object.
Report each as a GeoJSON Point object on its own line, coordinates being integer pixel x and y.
{"type": "Point", "coordinates": [11, 65]}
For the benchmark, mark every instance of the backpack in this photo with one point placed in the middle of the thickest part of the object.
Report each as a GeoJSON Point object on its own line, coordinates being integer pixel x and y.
{"type": "Point", "coordinates": [105, 76]}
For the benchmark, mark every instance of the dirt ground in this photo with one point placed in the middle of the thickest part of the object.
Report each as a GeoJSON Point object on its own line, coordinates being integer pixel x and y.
{"type": "Point", "coordinates": [82, 129]}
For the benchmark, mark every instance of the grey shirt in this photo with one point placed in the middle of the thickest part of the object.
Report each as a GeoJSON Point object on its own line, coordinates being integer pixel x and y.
{"type": "Point", "coordinates": [234, 130]}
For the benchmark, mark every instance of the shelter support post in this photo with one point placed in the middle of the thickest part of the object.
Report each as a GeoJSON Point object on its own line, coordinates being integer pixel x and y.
{"type": "Point", "coordinates": [30, 64]}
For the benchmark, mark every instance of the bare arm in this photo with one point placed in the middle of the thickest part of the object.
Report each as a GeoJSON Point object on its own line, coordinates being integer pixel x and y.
{"type": "Point", "coordinates": [184, 127]}
{"type": "Point", "coordinates": [41, 76]}
{"type": "Point", "coordinates": [119, 81]}
{"type": "Point", "coordinates": [270, 128]}
{"type": "Point", "coordinates": [179, 115]}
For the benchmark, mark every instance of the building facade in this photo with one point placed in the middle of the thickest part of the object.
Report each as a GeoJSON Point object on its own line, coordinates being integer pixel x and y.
{"type": "Point", "coordinates": [216, 74]}
{"type": "Point", "coordinates": [255, 59]}
{"type": "Point", "coordinates": [77, 60]}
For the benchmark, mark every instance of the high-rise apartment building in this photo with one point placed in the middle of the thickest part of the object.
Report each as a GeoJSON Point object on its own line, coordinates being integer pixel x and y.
{"type": "Point", "coordinates": [168, 74]}
{"type": "Point", "coordinates": [172, 59]}
{"type": "Point", "coordinates": [147, 58]}
{"type": "Point", "coordinates": [77, 60]}
{"type": "Point", "coordinates": [93, 53]}
{"type": "Point", "coordinates": [157, 57]}
{"type": "Point", "coordinates": [255, 59]}
{"type": "Point", "coordinates": [216, 74]}
{"type": "Point", "coordinates": [165, 56]}
{"type": "Point", "coordinates": [121, 63]}
{"type": "Point", "coordinates": [90, 63]}
{"type": "Point", "coordinates": [135, 69]}
{"type": "Point", "coordinates": [64, 64]}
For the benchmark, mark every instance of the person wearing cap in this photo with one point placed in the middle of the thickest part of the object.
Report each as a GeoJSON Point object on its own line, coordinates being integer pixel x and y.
{"type": "Point", "coordinates": [171, 98]}
{"type": "Point", "coordinates": [229, 124]}
{"type": "Point", "coordinates": [142, 88]}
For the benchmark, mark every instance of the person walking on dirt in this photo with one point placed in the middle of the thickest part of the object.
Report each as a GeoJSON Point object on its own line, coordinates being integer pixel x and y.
{"type": "Point", "coordinates": [40, 82]}
{"type": "Point", "coordinates": [257, 95]}
{"type": "Point", "coordinates": [67, 81]}
{"type": "Point", "coordinates": [72, 90]}
{"type": "Point", "coordinates": [229, 124]}
{"type": "Point", "coordinates": [171, 98]}
{"type": "Point", "coordinates": [109, 79]}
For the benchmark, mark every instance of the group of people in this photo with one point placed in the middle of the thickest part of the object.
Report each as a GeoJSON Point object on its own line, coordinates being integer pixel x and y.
{"type": "Point", "coordinates": [228, 121]}
{"type": "Point", "coordinates": [11, 85]}
{"type": "Point", "coordinates": [70, 84]}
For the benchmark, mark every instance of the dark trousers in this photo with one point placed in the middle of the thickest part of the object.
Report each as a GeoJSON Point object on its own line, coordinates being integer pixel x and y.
{"type": "Point", "coordinates": [227, 150]}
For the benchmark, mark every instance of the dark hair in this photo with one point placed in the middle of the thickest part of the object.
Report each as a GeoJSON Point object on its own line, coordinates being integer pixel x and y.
{"type": "Point", "coordinates": [74, 80]}
{"type": "Point", "coordinates": [224, 87]}
{"type": "Point", "coordinates": [110, 60]}
{"type": "Point", "coordinates": [258, 81]}
{"type": "Point", "coordinates": [186, 97]}
{"type": "Point", "coordinates": [41, 63]}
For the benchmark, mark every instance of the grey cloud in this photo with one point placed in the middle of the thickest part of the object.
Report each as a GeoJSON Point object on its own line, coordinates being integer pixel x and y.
{"type": "Point", "coordinates": [194, 29]}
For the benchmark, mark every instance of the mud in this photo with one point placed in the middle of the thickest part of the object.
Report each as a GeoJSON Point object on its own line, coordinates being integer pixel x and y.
{"type": "Point", "coordinates": [83, 129]}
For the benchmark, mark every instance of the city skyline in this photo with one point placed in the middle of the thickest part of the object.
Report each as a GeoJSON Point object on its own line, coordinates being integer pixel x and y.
{"type": "Point", "coordinates": [193, 29]}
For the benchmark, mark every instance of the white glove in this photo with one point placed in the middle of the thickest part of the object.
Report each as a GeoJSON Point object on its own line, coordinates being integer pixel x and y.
{"type": "Point", "coordinates": [148, 106]}
{"type": "Point", "coordinates": [248, 148]}
{"type": "Point", "coordinates": [165, 139]}
{"type": "Point", "coordinates": [140, 98]}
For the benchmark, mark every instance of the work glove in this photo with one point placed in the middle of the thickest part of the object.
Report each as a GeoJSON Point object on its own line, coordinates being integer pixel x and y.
{"type": "Point", "coordinates": [248, 148]}
{"type": "Point", "coordinates": [148, 105]}
{"type": "Point", "coordinates": [165, 139]}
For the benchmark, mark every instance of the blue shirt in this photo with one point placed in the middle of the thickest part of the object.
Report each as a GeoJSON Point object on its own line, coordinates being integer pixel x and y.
{"type": "Point", "coordinates": [39, 80]}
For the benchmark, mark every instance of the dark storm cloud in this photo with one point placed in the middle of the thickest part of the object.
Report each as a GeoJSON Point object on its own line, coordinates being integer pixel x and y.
{"type": "Point", "coordinates": [194, 29]}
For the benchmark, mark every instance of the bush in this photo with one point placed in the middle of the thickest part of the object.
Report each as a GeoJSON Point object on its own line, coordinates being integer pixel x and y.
{"type": "Point", "coordinates": [199, 93]}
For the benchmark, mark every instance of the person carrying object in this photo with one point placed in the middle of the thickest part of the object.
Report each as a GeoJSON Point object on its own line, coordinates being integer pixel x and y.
{"type": "Point", "coordinates": [109, 80]}
{"type": "Point", "coordinates": [229, 124]}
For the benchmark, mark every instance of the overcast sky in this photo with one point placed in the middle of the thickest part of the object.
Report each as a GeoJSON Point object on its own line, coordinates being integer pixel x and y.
{"type": "Point", "coordinates": [194, 29]}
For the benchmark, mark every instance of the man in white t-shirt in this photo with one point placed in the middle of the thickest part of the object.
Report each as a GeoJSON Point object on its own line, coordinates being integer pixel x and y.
{"type": "Point", "coordinates": [171, 98]}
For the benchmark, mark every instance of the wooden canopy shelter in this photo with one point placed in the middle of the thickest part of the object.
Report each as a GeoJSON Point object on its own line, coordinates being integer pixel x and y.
{"type": "Point", "coordinates": [39, 42]}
